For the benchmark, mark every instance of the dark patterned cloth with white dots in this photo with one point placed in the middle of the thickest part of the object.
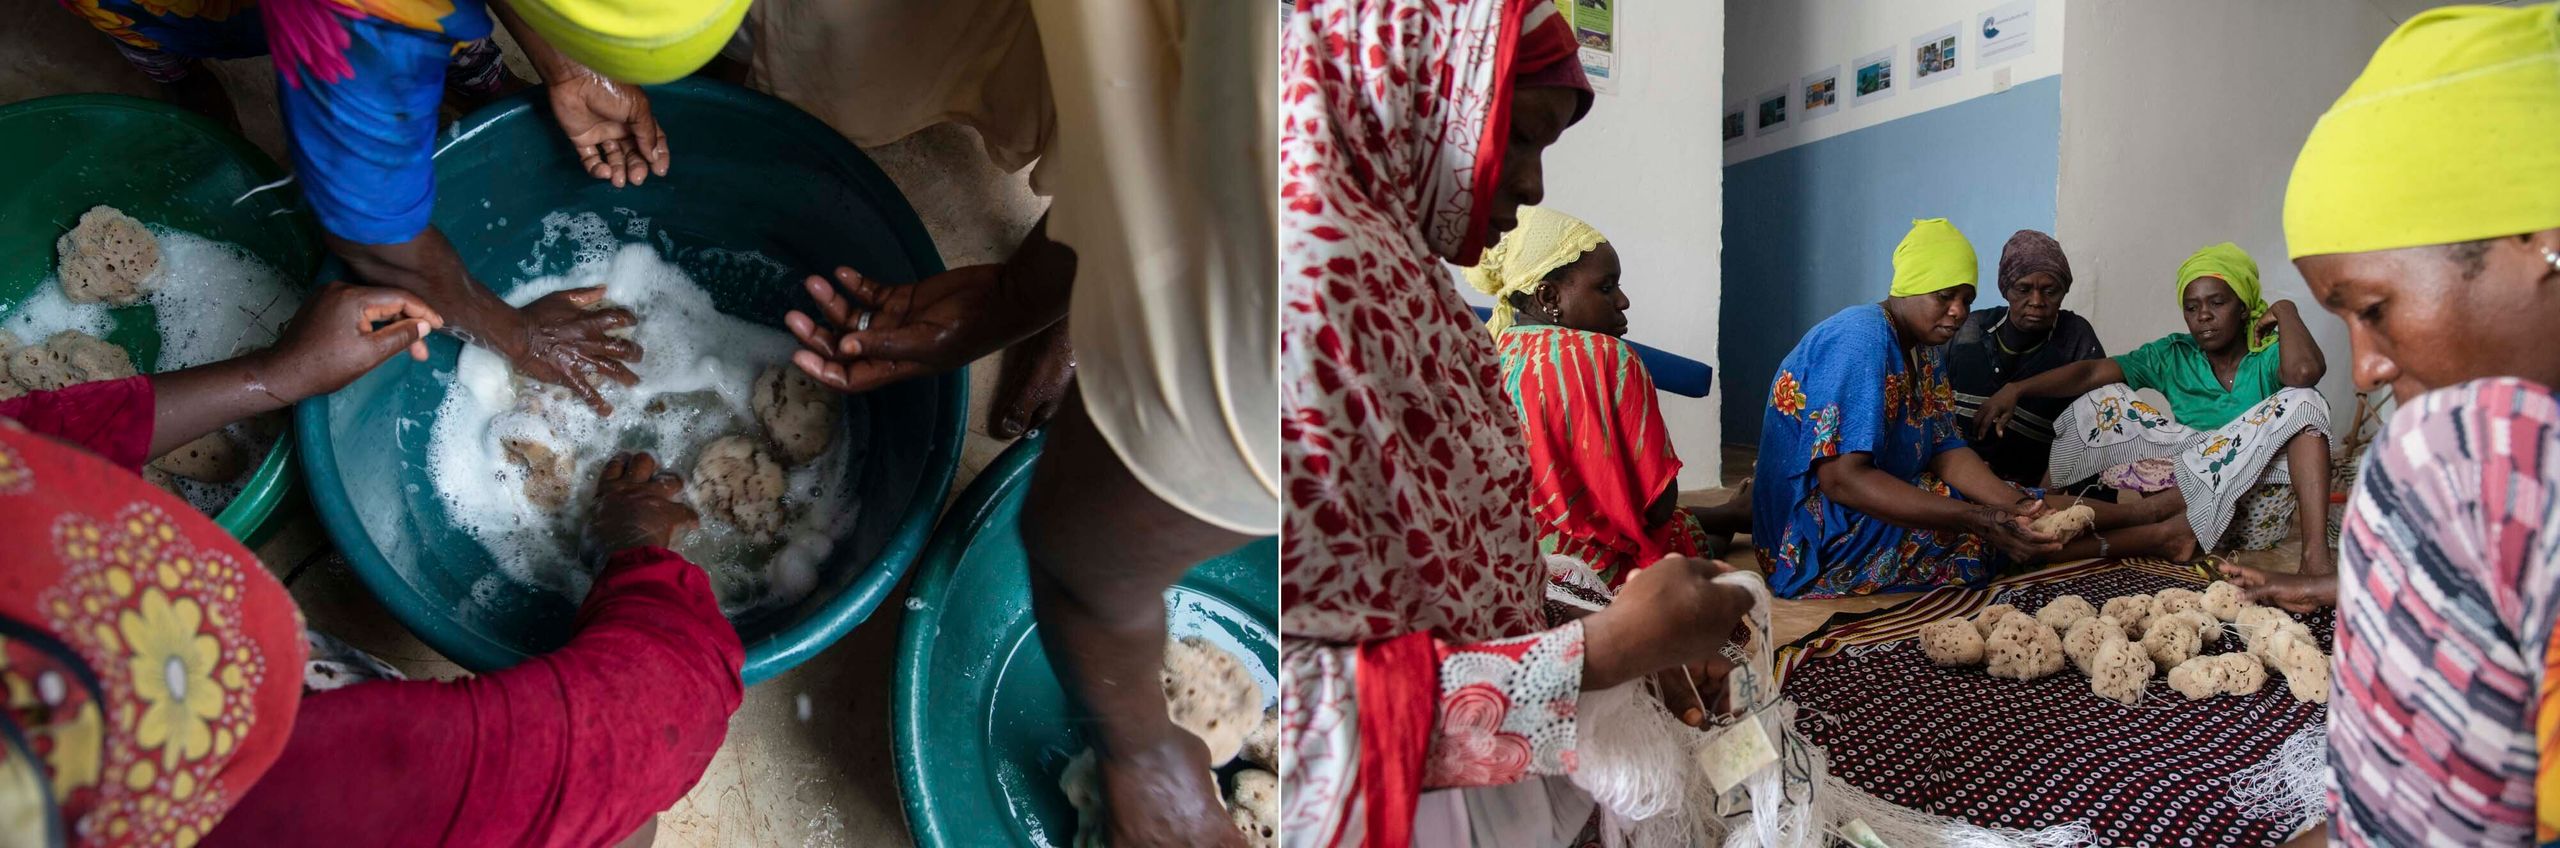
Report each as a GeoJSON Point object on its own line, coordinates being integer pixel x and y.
{"type": "Point", "coordinates": [2004, 753]}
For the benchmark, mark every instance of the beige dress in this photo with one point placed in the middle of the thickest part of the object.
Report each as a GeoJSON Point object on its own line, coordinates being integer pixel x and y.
{"type": "Point", "coordinates": [1152, 122]}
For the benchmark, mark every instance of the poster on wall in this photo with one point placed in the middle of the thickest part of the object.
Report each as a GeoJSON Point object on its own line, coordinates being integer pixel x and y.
{"type": "Point", "coordinates": [1933, 56]}
{"type": "Point", "coordinates": [1733, 123]}
{"type": "Point", "coordinates": [1595, 28]}
{"type": "Point", "coordinates": [2004, 33]}
{"type": "Point", "coordinates": [1772, 106]}
{"type": "Point", "coordinates": [1821, 93]}
{"type": "Point", "coordinates": [1871, 77]}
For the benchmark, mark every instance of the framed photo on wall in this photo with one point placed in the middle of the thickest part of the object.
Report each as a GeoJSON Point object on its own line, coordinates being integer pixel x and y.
{"type": "Point", "coordinates": [1734, 122]}
{"type": "Point", "coordinates": [1771, 109]}
{"type": "Point", "coordinates": [1933, 56]}
{"type": "Point", "coordinates": [1871, 77]}
{"type": "Point", "coordinates": [1821, 93]}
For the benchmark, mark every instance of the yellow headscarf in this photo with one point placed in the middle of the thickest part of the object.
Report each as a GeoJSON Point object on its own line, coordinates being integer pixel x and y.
{"type": "Point", "coordinates": [2230, 264]}
{"type": "Point", "coordinates": [1932, 257]}
{"type": "Point", "coordinates": [1545, 241]}
{"type": "Point", "coordinates": [2451, 134]}
{"type": "Point", "coordinates": [636, 41]}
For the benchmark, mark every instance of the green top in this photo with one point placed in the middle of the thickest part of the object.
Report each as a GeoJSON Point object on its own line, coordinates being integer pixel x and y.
{"type": "Point", "coordinates": [2176, 367]}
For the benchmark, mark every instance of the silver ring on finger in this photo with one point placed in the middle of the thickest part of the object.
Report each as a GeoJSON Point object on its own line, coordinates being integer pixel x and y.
{"type": "Point", "coordinates": [864, 324]}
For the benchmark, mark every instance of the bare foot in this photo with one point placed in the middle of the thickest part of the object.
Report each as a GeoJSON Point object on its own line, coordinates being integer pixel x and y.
{"type": "Point", "coordinates": [2292, 592]}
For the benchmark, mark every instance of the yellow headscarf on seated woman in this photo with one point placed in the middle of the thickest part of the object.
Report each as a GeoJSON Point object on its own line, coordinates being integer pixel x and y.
{"type": "Point", "coordinates": [2451, 134]}
{"type": "Point", "coordinates": [1934, 256]}
{"type": "Point", "coordinates": [1545, 241]}
{"type": "Point", "coordinates": [2233, 266]}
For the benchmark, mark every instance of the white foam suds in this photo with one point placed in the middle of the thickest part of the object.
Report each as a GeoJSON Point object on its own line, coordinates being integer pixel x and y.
{"type": "Point", "coordinates": [214, 301]}
{"type": "Point", "coordinates": [48, 312]}
{"type": "Point", "coordinates": [697, 376]}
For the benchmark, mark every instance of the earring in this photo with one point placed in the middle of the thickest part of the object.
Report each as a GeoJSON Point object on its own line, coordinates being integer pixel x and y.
{"type": "Point", "coordinates": [2551, 256]}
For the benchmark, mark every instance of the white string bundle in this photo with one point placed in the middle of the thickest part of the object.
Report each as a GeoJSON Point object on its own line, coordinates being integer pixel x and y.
{"type": "Point", "coordinates": [2292, 786]}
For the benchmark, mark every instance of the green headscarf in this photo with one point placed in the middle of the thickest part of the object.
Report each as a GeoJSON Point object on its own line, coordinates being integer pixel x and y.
{"type": "Point", "coordinates": [1932, 257]}
{"type": "Point", "coordinates": [2228, 263]}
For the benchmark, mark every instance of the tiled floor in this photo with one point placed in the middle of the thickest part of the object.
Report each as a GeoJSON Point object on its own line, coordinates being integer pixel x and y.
{"type": "Point", "coordinates": [790, 776]}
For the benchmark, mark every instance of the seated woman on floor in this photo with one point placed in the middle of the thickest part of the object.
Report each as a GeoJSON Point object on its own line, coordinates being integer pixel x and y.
{"type": "Point", "coordinates": [1600, 459]}
{"type": "Point", "coordinates": [2005, 344]}
{"type": "Point", "coordinates": [2242, 422]}
{"type": "Point", "coordinates": [1864, 484]}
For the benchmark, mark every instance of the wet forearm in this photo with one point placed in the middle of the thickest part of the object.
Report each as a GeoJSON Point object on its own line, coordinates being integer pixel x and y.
{"type": "Point", "coordinates": [189, 403]}
{"type": "Point", "coordinates": [428, 267]}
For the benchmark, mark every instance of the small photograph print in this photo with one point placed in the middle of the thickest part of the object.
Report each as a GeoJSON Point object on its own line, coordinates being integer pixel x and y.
{"type": "Point", "coordinates": [1592, 39]}
{"type": "Point", "coordinates": [1933, 56]}
{"type": "Point", "coordinates": [1773, 111]}
{"type": "Point", "coordinates": [1873, 78]}
{"type": "Point", "coordinates": [1821, 93]}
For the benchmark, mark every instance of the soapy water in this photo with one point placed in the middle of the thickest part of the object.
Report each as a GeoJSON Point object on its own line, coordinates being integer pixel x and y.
{"type": "Point", "coordinates": [211, 301]}
{"type": "Point", "coordinates": [697, 377]}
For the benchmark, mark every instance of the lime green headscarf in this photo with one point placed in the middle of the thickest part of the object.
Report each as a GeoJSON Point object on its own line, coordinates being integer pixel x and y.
{"type": "Point", "coordinates": [1932, 257]}
{"type": "Point", "coordinates": [636, 41]}
{"type": "Point", "coordinates": [2451, 134]}
{"type": "Point", "coordinates": [2228, 263]}
{"type": "Point", "coordinates": [1545, 241]}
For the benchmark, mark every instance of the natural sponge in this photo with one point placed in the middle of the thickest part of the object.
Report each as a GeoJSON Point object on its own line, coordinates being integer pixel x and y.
{"type": "Point", "coordinates": [1951, 642]}
{"type": "Point", "coordinates": [2170, 641]}
{"type": "Point", "coordinates": [2087, 636]}
{"type": "Point", "coordinates": [2133, 611]}
{"type": "Point", "coordinates": [2224, 600]}
{"type": "Point", "coordinates": [108, 257]}
{"type": "Point", "coordinates": [2067, 524]}
{"type": "Point", "coordinates": [2207, 628]}
{"type": "Point", "coordinates": [736, 481]}
{"type": "Point", "coordinates": [2259, 625]}
{"type": "Point", "coordinates": [2021, 649]}
{"type": "Point", "coordinates": [1208, 691]}
{"type": "Point", "coordinates": [2060, 613]}
{"type": "Point", "coordinates": [2120, 672]}
{"type": "Point", "coordinates": [1990, 617]}
{"type": "Point", "coordinates": [796, 411]}
{"type": "Point", "coordinates": [2172, 600]}
{"type": "Point", "coordinates": [2305, 669]}
{"type": "Point", "coordinates": [1254, 806]}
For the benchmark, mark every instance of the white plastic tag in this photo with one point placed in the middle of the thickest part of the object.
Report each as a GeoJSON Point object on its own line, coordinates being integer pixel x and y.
{"type": "Point", "coordinates": [1736, 754]}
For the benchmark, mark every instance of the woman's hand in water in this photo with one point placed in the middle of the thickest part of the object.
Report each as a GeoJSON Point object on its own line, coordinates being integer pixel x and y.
{"type": "Point", "coordinates": [638, 506]}
{"type": "Point", "coordinates": [564, 340]}
{"type": "Point", "coordinates": [609, 124]}
{"type": "Point", "coordinates": [1668, 614]}
{"type": "Point", "coordinates": [339, 334]}
{"type": "Point", "coordinates": [867, 335]}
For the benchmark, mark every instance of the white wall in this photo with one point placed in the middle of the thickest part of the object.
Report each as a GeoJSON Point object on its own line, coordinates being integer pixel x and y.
{"type": "Point", "coordinates": [1777, 43]}
{"type": "Point", "coordinates": [1642, 167]}
{"type": "Point", "coordinates": [2180, 121]}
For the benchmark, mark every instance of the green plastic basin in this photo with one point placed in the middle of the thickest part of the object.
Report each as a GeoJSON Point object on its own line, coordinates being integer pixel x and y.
{"type": "Point", "coordinates": [750, 174]}
{"type": "Point", "coordinates": [982, 725]}
{"type": "Point", "coordinates": [166, 166]}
